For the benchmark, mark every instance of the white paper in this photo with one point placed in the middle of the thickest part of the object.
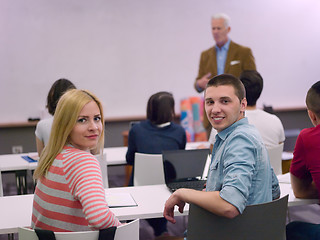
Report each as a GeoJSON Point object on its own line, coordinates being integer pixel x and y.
{"type": "Point", "coordinates": [120, 200]}
{"type": "Point", "coordinates": [284, 178]}
{"type": "Point", "coordinates": [287, 155]}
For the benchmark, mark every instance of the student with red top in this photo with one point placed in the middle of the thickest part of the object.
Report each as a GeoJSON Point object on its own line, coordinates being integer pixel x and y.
{"type": "Point", "coordinates": [305, 167]}
{"type": "Point", "coordinates": [69, 195]}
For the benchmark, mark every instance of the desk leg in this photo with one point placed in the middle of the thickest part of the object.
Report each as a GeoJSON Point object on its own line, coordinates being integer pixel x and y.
{"type": "Point", "coordinates": [1, 187]}
{"type": "Point", "coordinates": [34, 182]}
{"type": "Point", "coordinates": [21, 178]}
{"type": "Point", "coordinates": [128, 173]}
{"type": "Point", "coordinates": [10, 236]}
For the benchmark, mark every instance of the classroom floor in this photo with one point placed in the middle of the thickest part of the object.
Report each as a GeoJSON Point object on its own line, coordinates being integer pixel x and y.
{"type": "Point", "coordinates": [116, 174]}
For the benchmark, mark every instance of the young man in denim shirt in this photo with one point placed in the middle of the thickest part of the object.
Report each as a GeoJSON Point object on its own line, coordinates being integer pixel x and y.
{"type": "Point", "coordinates": [240, 173]}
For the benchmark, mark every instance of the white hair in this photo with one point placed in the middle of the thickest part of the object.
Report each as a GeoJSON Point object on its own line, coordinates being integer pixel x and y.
{"type": "Point", "coordinates": [224, 16]}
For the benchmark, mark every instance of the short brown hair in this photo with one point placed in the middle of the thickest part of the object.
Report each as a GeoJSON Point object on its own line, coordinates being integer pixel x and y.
{"type": "Point", "coordinates": [313, 99]}
{"type": "Point", "coordinates": [253, 83]}
{"type": "Point", "coordinates": [228, 79]}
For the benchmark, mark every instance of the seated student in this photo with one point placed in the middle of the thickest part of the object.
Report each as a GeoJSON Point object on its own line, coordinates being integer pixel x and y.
{"type": "Point", "coordinates": [154, 135]}
{"type": "Point", "coordinates": [268, 125]}
{"type": "Point", "coordinates": [69, 195]}
{"type": "Point", "coordinates": [43, 127]}
{"type": "Point", "coordinates": [305, 167]}
{"type": "Point", "coordinates": [239, 173]}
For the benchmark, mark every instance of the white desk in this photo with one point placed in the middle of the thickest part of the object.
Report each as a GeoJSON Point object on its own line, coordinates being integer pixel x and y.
{"type": "Point", "coordinates": [13, 162]}
{"type": "Point", "coordinates": [115, 156]}
{"type": "Point", "coordinates": [16, 210]}
{"type": "Point", "coordinates": [150, 200]}
{"type": "Point", "coordinates": [285, 188]}
{"type": "Point", "coordinates": [194, 145]}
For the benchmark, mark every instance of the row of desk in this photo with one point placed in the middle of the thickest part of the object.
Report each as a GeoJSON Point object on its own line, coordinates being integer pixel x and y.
{"type": "Point", "coordinates": [115, 156]}
{"type": "Point", "coordinates": [15, 163]}
{"type": "Point", "coordinates": [16, 210]}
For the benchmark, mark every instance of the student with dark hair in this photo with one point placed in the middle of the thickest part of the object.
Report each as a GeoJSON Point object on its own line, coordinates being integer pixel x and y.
{"type": "Point", "coordinates": [240, 173]}
{"type": "Point", "coordinates": [43, 127]}
{"type": "Point", "coordinates": [160, 108]}
{"type": "Point", "coordinates": [305, 167]}
{"type": "Point", "coordinates": [268, 125]}
{"type": "Point", "coordinates": [253, 83]}
{"type": "Point", "coordinates": [154, 135]}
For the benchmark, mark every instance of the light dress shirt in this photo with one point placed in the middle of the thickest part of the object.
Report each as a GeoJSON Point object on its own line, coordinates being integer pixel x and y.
{"type": "Point", "coordinates": [240, 168]}
{"type": "Point", "coordinates": [222, 57]}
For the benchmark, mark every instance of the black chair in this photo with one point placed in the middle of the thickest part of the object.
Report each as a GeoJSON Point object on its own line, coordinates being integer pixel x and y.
{"type": "Point", "coordinates": [265, 221]}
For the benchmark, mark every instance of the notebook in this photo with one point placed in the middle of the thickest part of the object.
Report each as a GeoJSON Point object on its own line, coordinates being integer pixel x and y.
{"type": "Point", "coordinates": [31, 158]}
{"type": "Point", "coordinates": [185, 168]}
{"type": "Point", "coordinates": [115, 200]}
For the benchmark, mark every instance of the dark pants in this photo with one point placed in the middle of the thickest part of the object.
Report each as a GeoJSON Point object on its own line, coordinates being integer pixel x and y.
{"type": "Point", "coordinates": [303, 231]}
{"type": "Point", "coordinates": [159, 225]}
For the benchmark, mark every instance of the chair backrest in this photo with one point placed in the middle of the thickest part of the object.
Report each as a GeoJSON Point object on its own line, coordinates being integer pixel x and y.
{"type": "Point", "coordinates": [1, 187]}
{"type": "Point", "coordinates": [148, 169]}
{"type": "Point", "coordinates": [123, 232]}
{"type": "Point", "coordinates": [275, 156]}
{"type": "Point", "coordinates": [262, 221]}
{"type": "Point", "coordinates": [128, 231]}
{"type": "Point", "coordinates": [102, 158]}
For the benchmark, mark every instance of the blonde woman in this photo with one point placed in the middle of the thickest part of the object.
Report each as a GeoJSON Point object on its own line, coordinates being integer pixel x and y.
{"type": "Point", "coordinates": [69, 195]}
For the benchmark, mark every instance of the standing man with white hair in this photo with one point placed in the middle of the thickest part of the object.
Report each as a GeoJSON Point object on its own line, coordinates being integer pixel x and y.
{"type": "Point", "coordinates": [225, 57]}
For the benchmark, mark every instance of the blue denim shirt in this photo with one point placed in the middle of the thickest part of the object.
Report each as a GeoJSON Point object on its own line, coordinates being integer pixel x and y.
{"type": "Point", "coordinates": [240, 167]}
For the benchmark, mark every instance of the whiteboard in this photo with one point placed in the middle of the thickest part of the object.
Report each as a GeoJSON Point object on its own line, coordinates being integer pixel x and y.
{"type": "Point", "coordinates": [124, 50]}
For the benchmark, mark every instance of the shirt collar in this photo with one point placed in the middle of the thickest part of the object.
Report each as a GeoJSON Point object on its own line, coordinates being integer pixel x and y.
{"type": "Point", "coordinates": [163, 124]}
{"type": "Point", "coordinates": [225, 132]}
{"type": "Point", "coordinates": [225, 46]}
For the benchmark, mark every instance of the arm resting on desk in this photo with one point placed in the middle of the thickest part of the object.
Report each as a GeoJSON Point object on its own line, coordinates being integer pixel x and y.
{"type": "Point", "coordinates": [210, 201]}
{"type": "Point", "coordinates": [303, 188]}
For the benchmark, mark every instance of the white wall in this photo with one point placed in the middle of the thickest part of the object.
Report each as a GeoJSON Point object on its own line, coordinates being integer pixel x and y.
{"type": "Point", "coordinates": [126, 50]}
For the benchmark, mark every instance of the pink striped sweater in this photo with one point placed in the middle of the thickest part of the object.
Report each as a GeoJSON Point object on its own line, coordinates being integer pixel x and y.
{"type": "Point", "coordinates": [71, 196]}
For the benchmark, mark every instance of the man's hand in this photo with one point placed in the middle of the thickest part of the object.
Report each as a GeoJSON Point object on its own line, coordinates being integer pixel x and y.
{"type": "Point", "coordinates": [173, 200]}
{"type": "Point", "coordinates": [202, 82]}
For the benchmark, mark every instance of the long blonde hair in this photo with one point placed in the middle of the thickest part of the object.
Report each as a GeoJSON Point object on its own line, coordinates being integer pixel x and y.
{"type": "Point", "coordinates": [65, 118]}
